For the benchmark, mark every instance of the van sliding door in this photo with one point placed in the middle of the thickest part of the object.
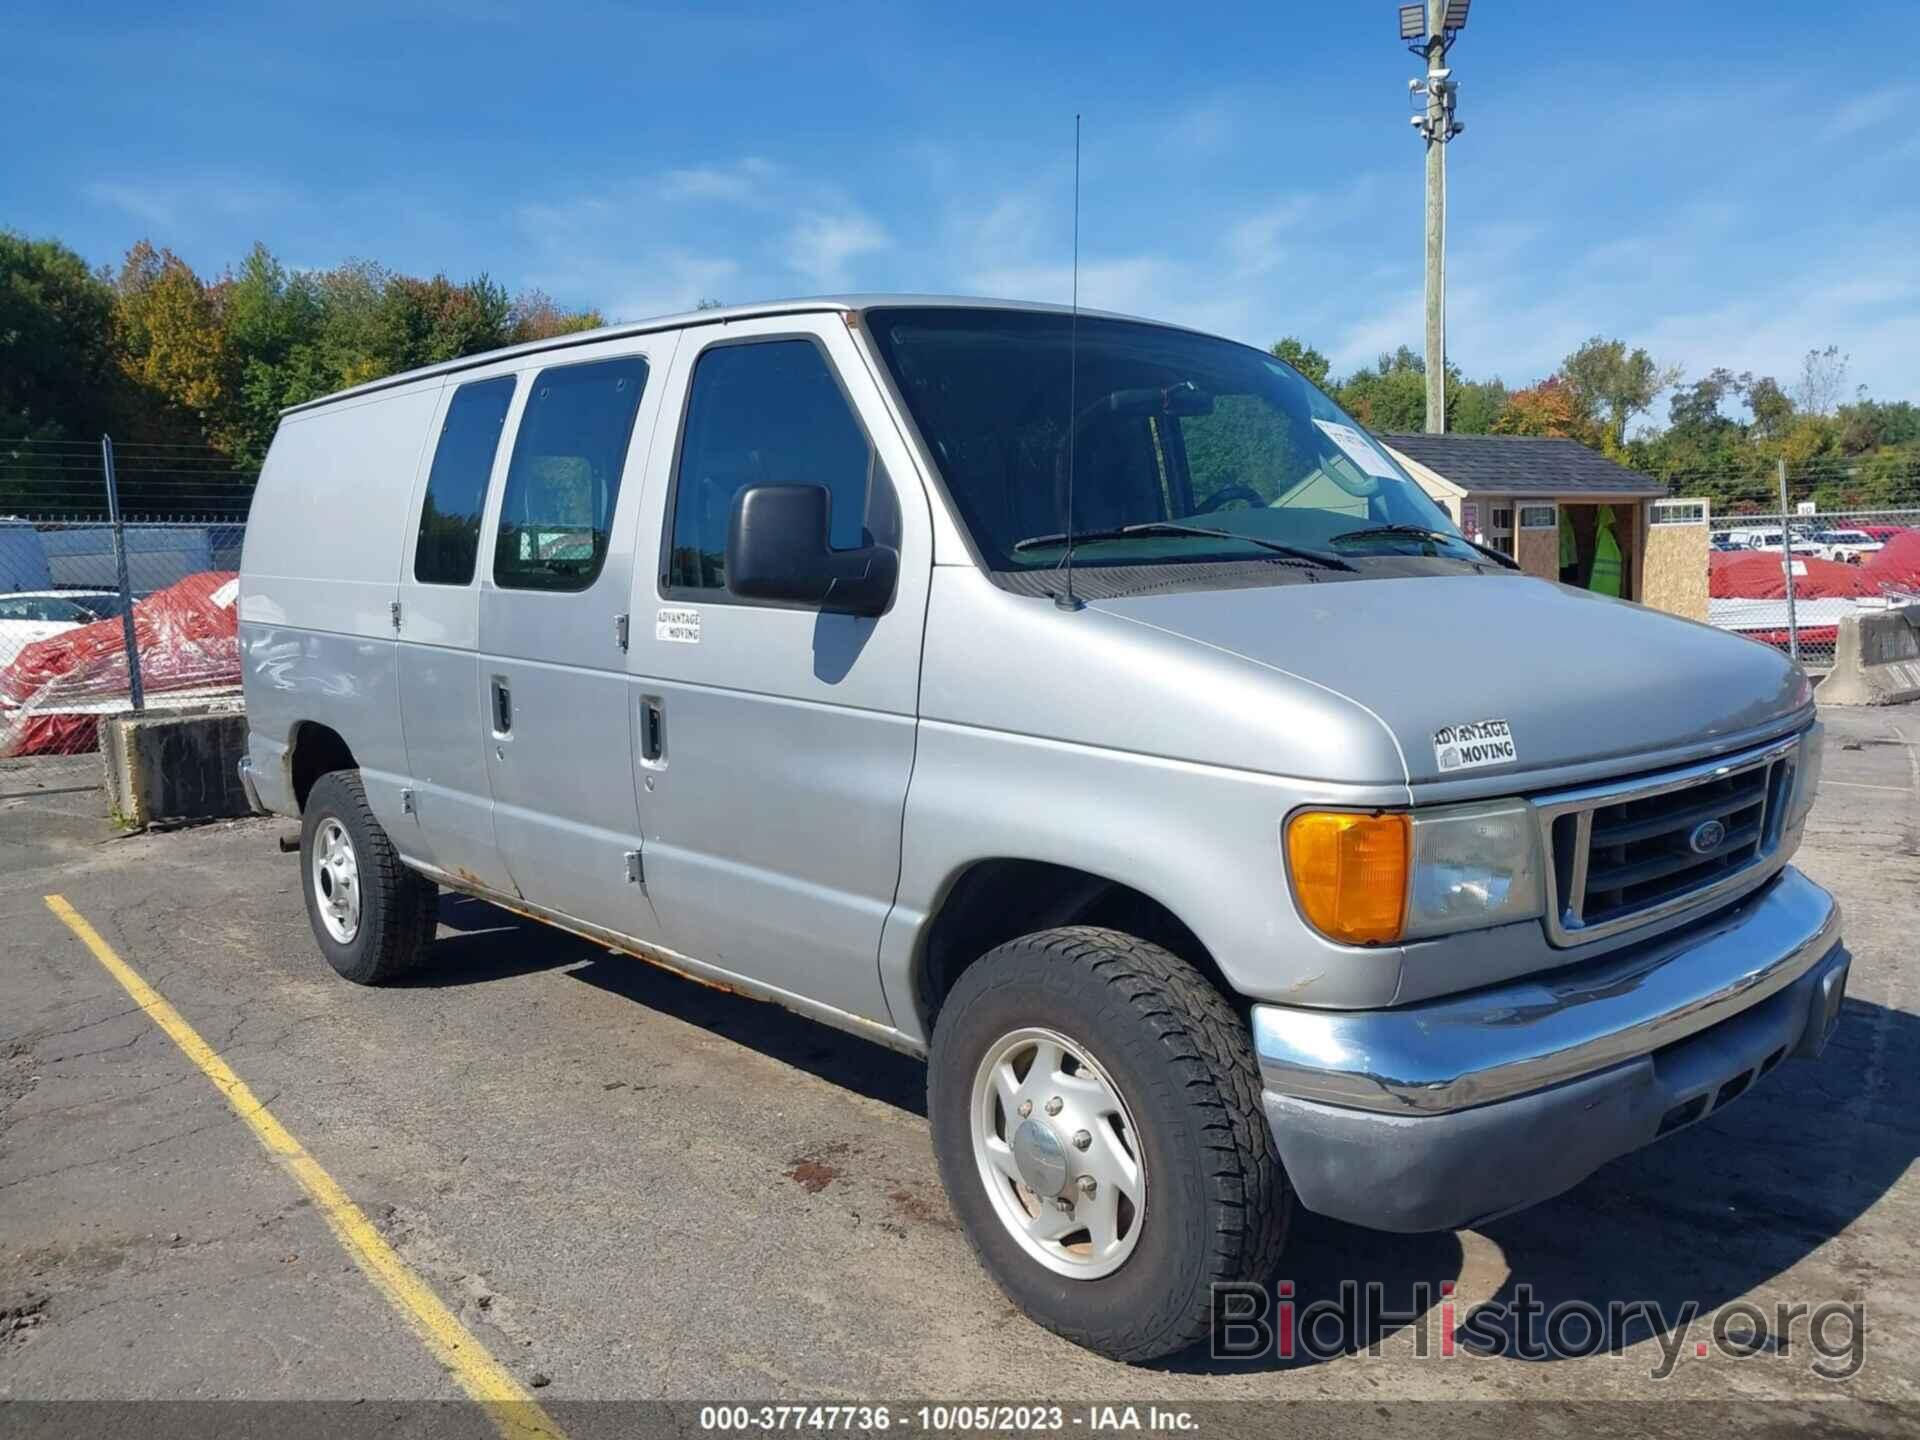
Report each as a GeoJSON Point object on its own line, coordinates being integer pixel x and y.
{"type": "Point", "coordinates": [553, 606]}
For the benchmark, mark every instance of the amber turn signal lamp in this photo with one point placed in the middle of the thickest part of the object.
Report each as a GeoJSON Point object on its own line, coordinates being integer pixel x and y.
{"type": "Point", "coordinates": [1350, 873]}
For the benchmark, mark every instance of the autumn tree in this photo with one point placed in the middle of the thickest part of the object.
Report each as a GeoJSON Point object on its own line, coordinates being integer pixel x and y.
{"type": "Point", "coordinates": [536, 315]}
{"type": "Point", "coordinates": [169, 335]}
{"type": "Point", "coordinates": [1550, 408]}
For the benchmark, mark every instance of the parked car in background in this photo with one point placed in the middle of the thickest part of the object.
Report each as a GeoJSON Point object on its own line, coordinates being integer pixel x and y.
{"type": "Point", "coordinates": [1157, 802]}
{"type": "Point", "coordinates": [1884, 533]}
{"type": "Point", "coordinates": [27, 616]}
{"type": "Point", "coordinates": [1803, 543]}
{"type": "Point", "coordinates": [1851, 546]}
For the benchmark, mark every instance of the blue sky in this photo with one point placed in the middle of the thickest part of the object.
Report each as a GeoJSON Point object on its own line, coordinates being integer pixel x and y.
{"type": "Point", "coordinates": [1727, 184]}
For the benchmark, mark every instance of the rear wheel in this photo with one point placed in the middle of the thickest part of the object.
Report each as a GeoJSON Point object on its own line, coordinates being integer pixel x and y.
{"type": "Point", "coordinates": [1096, 1114]}
{"type": "Point", "coordinates": [372, 916]}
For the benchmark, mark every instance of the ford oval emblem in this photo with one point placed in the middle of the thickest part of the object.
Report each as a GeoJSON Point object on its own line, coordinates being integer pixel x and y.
{"type": "Point", "coordinates": [1707, 837]}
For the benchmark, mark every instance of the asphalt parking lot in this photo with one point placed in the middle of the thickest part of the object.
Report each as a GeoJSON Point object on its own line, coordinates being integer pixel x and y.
{"type": "Point", "coordinates": [626, 1185]}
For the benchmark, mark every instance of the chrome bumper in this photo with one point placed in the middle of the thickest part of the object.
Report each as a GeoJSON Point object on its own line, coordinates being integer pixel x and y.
{"type": "Point", "coordinates": [1489, 1045]}
{"type": "Point", "coordinates": [1441, 1115]}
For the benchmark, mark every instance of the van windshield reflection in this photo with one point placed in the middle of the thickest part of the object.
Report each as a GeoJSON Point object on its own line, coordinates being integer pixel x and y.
{"type": "Point", "coordinates": [1174, 447]}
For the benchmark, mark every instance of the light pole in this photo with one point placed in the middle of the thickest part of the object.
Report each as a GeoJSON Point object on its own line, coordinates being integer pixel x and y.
{"type": "Point", "coordinates": [1429, 30]}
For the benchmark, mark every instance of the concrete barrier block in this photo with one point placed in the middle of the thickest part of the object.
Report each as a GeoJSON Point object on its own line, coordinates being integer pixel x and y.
{"type": "Point", "coordinates": [174, 767]}
{"type": "Point", "coordinates": [1876, 659]}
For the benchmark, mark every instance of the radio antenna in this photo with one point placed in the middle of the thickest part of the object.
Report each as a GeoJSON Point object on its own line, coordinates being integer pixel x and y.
{"type": "Point", "coordinates": [1067, 600]}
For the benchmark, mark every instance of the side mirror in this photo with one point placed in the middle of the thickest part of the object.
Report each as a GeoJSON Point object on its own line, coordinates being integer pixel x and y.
{"type": "Point", "coordinates": [777, 549]}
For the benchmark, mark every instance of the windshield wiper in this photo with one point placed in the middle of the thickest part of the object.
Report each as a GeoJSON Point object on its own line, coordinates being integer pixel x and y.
{"type": "Point", "coordinates": [1169, 527]}
{"type": "Point", "coordinates": [1423, 532]}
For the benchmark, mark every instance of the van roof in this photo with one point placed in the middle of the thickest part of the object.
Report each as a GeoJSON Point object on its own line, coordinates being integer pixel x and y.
{"type": "Point", "coordinates": [720, 315]}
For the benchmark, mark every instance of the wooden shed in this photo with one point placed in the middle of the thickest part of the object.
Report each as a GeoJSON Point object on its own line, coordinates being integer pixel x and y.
{"type": "Point", "coordinates": [1512, 492]}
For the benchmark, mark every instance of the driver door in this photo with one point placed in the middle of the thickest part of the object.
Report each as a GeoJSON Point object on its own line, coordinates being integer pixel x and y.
{"type": "Point", "coordinates": [775, 741]}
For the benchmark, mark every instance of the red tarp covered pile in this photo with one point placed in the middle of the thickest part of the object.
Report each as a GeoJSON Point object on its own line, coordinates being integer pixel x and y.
{"type": "Point", "coordinates": [1747, 592]}
{"type": "Point", "coordinates": [55, 689]}
{"type": "Point", "coordinates": [1761, 575]}
{"type": "Point", "coordinates": [1897, 566]}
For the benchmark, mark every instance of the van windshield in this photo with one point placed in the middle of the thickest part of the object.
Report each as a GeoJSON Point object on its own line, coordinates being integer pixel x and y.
{"type": "Point", "coordinates": [1173, 435]}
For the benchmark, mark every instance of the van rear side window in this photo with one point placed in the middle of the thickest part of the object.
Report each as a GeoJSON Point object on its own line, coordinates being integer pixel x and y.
{"type": "Point", "coordinates": [564, 479]}
{"type": "Point", "coordinates": [457, 485]}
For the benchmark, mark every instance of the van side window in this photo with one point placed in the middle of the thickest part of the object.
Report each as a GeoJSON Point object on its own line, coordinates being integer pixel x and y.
{"type": "Point", "coordinates": [457, 485]}
{"type": "Point", "coordinates": [564, 478]}
{"type": "Point", "coordinates": [770, 413]}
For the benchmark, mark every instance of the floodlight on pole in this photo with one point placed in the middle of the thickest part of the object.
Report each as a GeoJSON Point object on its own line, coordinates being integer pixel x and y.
{"type": "Point", "coordinates": [1429, 31]}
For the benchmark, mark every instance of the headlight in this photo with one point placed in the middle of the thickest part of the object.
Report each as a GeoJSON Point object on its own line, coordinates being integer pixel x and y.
{"type": "Point", "coordinates": [1806, 773]}
{"type": "Point", "coordinates": [1473, 866]}
{"type": "Point", "coordinates": [1370, 879]}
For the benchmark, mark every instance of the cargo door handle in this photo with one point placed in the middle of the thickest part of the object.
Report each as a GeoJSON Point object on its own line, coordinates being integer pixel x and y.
{"type": "Point", "coordinates": [653, 730]}
{"type": "Point", "coordinates": [502, 706]}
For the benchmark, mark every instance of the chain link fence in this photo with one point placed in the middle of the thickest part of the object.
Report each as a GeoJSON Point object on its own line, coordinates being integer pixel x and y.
{"type": "Point", "coordinates": [104, 612]}
{"type": "Point", "coordinates": [1789, 580]}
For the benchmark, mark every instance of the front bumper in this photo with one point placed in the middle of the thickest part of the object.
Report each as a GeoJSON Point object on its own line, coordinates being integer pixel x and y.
{"type": "Point", "coordinates": [1438, 1115]}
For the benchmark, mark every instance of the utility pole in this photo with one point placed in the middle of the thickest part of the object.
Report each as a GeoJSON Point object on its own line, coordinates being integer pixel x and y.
{"type": "Point", "coordinates": [1431, 28]}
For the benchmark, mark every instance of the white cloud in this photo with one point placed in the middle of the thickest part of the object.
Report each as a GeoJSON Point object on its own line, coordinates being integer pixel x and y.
{"type": "Point", "coordinates": [1254, 242]}
{"type": "Point", "coordinates": [821, 246]}
{"type": "Point", "coordinates": [742, 183]}
{"type": "Point", "coordinates": [181, 203]}
{"type": "Point", "coordinates": [139, 201]}
{"type": "Point", "coordinates": [1875, 107]}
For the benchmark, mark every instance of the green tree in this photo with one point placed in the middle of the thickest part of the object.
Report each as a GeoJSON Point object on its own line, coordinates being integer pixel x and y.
{"type": "Point", "coordinates": [58, 373]}
{"type": "Point", "coordinates": [1390, 397]}
{"type": "Point", "coordinates": [1302, 357]}
{"type": "Point", "coordinates": [1612, 384]}
{"type": "Point", "coordinates": [1771, 408]}
{"type": "Point", "coordinates": [1474, 407]}
{"type": "Point", "coordinates": [274, 322]}
{"type": "Point", "coordinates": [422, 322]}
{"type": "Point", "coordinates": [1823, 380]}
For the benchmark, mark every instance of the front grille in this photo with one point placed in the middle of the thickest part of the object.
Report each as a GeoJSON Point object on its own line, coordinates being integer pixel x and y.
{"type": "Point", "coordinates": [1628, 853]}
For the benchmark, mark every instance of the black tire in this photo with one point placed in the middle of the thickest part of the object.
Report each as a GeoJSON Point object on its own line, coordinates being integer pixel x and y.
{"type": "Point", "coordinates": [1218, 1201]}
{"type": "Point", "coordinates": [399, 908]}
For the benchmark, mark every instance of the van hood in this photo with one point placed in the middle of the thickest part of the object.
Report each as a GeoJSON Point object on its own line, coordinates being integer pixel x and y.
{"type": "Point", "coordinates": [1484, 676]}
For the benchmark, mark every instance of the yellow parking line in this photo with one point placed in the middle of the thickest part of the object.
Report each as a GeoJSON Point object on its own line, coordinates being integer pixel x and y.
{"type": "Point", "coordinates": [512, 1410]}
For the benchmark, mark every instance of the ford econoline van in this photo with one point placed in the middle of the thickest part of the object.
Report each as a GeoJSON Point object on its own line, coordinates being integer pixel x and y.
{"type": "Point", "coordinates": [1087, 705]}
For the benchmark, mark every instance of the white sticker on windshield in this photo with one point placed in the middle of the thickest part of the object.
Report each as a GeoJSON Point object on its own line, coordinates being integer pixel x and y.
{"type": "Point", "coordinates": [1476, 743]}
{"type": "Point", "coordinates": [677, 623]}
{"type": "Point", "coordinates": [1362, 451]}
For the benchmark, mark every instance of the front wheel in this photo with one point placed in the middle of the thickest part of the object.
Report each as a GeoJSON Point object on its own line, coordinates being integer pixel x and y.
{"type": "Point", "coordinates": [1096, 1115]}
{"type": "Point", "coordinates": [373, 917]}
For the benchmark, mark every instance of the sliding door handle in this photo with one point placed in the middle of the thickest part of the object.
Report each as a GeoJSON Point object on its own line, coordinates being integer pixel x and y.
{"type": "Point", "coordinates": [653, 730]}
{"type": "Point", "coordinates": [502, 706]}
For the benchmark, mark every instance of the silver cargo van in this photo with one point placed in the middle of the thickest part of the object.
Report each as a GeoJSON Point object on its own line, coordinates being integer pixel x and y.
{"type": "Point", "coordinates": [1086, 704]}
